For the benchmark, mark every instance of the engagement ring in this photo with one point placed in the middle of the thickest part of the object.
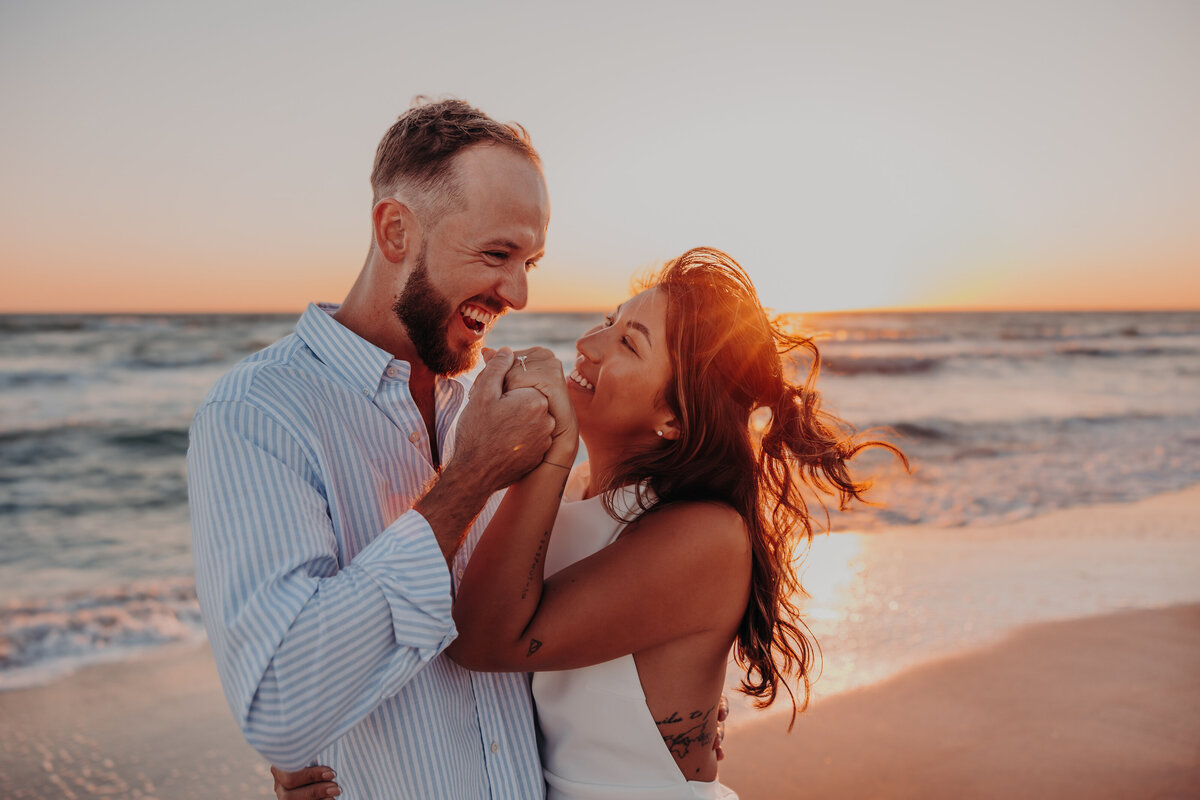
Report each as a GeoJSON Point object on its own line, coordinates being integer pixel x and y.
{"type": "Point", "coordinates": [522, 360]}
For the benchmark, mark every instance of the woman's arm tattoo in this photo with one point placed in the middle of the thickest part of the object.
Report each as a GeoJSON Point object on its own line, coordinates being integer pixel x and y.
{"type": "Point", "coordinates": [537, 556]}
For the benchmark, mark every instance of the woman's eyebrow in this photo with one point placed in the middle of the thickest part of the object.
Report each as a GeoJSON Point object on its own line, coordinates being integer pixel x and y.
{"type": "Point", "coordinates": [642, 329]}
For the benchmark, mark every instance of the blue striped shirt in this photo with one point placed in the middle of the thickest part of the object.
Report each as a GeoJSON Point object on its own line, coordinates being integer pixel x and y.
{"type": "Point", "coordinates": [326, 598]}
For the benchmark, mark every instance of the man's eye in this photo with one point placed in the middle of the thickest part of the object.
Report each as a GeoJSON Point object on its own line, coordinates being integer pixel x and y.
{"type": "Point", "coordinates": [496, 255]}
{"type": "Point", "coordinates": [530, 265]}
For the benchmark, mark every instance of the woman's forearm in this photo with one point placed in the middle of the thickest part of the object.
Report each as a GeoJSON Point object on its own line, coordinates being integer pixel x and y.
{"type": "Point", "coordinates": [499, 593]}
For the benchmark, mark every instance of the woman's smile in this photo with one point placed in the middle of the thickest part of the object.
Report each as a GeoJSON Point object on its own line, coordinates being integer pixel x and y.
{"type": "Point", "coordinates": [581, 381]}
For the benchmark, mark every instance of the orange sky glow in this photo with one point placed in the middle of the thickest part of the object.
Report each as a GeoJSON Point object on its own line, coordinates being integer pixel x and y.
{"type": "Point", "coordinates": [905, 158]}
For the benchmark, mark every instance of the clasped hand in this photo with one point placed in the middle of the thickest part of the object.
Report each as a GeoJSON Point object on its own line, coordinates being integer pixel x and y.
{"type": "Point", "coordinates": [538, 368]}
{"type": "Point", "coordinates": [518, 415]}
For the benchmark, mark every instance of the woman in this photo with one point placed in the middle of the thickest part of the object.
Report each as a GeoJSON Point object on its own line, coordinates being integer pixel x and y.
{"type": "Point", "coordinates": [672, 545]}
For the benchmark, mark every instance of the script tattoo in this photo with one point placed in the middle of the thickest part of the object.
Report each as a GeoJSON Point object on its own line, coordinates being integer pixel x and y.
{"type": "Point", "coordinates": [534, 645]}
{"type": "Point", "coordinates": [537, 557]}
{"type": "Point", "coordinates": [680, 742]}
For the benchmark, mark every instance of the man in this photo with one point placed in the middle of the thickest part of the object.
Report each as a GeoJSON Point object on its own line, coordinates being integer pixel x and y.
{"type": "Point", "coordinates": [330, 488]}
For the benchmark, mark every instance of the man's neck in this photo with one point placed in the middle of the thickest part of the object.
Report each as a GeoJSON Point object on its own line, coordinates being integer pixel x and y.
{"type": "Point", "coordinates": [421, 385]}
{"type": "Point", "coordinates": [380, 329]}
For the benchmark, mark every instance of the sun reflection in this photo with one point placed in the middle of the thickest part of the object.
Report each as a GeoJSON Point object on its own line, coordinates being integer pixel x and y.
{"type": "Point", "coordinates": [830, 567]}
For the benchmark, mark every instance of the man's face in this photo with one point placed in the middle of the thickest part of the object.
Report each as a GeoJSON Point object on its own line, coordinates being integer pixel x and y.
{"type": "Point", "coordinates": [472, 265]}
{"type": "Point", "coordinates": [426, 315]}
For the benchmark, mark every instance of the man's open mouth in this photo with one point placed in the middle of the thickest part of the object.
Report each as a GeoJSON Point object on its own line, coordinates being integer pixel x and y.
{"type": "Point", "coordinates": [476, 318]}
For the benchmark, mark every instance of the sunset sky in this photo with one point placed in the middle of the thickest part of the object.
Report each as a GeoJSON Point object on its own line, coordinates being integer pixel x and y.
{"type": "Point", "coordinates": [214, 156]}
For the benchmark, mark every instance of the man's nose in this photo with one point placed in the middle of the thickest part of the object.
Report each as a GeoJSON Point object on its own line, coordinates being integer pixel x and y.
{"type": "Point", "coordinates": [514, 287]}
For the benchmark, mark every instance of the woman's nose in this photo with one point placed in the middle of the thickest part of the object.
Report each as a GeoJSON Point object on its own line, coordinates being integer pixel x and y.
{"type": "Point", "coordinates": [588, 344]}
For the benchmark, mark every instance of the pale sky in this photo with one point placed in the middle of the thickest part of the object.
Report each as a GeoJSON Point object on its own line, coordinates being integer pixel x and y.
{"type": "Point", "coordinates": [215, 156]}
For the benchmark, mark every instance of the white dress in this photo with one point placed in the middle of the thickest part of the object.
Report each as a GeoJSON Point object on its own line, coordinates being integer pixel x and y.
{"type": "Point", "coordinates": [600, 740]}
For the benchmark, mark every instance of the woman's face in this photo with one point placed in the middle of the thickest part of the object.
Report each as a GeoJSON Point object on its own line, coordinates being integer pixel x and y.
{"type": "Point", "coordinates": [621, 372]}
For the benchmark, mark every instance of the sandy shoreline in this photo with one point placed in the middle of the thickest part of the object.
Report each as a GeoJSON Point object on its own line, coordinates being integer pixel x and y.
{"type": "Point", "coordinates": [1104, 707]}
{"type": "Point", "coordinates": [1100, 705]}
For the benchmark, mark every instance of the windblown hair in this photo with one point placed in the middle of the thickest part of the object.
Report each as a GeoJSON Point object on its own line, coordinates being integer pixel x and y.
{"type": "Point", "coordinates": [417, 153]}
{"type": "Point", "coordinates": [727, 360]}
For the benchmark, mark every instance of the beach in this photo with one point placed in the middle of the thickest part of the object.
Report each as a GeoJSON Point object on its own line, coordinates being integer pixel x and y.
{"type": "Point", "coordinates": [1104, 707]}
{"type": "Point", "coordinates": [1068, 696]}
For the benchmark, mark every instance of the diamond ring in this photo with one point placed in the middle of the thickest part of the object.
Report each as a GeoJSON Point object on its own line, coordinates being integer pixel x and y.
{"type": "Point", "coordinates": [522, 360]}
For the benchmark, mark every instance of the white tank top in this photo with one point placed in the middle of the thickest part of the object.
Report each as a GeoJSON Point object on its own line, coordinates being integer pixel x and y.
{"type": "Point", "coordinates": [600, 740]}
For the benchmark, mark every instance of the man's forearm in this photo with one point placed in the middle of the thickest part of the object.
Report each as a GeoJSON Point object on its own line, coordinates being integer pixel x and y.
{"type": "Point", "coordinates": [358, 637]}
{"type": "Point", "coordinates": [451, 505]}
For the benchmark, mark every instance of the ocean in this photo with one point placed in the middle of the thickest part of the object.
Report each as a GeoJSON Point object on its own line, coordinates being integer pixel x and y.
{"type": "Point", "coordinates": [1004, 415]}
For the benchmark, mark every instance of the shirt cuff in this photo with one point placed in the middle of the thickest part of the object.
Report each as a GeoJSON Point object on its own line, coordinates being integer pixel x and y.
{"type": "Point", "coordinates": [407, 565]}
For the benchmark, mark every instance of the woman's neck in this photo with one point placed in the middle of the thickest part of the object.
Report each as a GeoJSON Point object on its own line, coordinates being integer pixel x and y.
{"type": "Point", "coordinates": [601, 461]}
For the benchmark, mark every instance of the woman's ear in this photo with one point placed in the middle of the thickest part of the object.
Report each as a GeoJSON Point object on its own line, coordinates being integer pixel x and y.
{"type": "Point", "coordinates": [395, 228]}
{"type": "Point", "coordinates": [668, 429]}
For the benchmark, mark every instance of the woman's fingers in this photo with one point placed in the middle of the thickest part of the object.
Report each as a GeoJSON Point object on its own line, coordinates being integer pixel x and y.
{"type": "Point", "coordinates": [309, 783]}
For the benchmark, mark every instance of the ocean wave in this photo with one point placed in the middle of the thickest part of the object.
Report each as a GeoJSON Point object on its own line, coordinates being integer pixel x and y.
{"type": "Point", "coordinates": [33, 378]}
{"type": "Point", "coordinates": [40, 638]}
{"type": "Point", "coordinates": [30, 446]}
{"type": "Point", "coordinates": [1094, 351]}
{"type": "Point", "coordinates": [842, 365]}
{"type": "Point", "coordinates": [928, 431]}
{"type": "Point", "coordinates": [38, 323]}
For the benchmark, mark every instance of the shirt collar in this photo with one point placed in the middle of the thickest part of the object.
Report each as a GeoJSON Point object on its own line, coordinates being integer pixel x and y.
{"type": "Point", "coordinates": [359, 363]}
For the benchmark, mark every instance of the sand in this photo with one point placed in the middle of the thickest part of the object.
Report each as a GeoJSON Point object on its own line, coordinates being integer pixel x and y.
{"type": "Point", "coordinates": [1106, 707]}
{"type": "Point", "coordinates": [157, 727]}
{"type": "Point", "coordinates": [1099, 706]}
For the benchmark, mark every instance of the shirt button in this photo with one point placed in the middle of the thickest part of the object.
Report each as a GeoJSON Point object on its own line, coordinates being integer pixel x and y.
{"type": "Point", "coordinates": [458, 572]}
{"type": "Point", "coordinates": [366, 392]}
{"type": "Point", "coordinates": [495, 747]}
{"type": "Point", "coordinates": [414, 437]}
{"type": "Point", "coordinates": [392, 372]}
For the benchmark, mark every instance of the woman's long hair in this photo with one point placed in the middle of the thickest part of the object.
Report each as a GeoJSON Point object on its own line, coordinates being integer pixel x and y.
{"type": "Point", "coordinates": [727, 362]}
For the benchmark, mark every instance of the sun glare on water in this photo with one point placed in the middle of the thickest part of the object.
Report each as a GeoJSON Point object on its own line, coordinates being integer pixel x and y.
{"type": "Point", "coordinates": [827, 571]}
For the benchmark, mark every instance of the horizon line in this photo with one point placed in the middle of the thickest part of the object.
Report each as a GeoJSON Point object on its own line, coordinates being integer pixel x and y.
{"type": "Point", "coordinates": [913, 309]}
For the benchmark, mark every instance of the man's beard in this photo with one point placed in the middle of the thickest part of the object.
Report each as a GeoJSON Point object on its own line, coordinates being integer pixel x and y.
{"type": "Point", "coordinates": [426, 315]}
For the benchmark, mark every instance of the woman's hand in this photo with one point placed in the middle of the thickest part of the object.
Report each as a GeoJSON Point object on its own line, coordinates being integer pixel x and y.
{"type": "Point", "coordinates": [310, 783]}
{"type": "Point", "coordinates": [538, 368]}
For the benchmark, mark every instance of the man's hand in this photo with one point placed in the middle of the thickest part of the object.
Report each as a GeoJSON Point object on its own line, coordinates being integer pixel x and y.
{"type": "Point", "coordinates": [310, 783]}
{"type": "Point", "coordinates": [538, 368]}
{"type": "Point", "coordinates": [502, 434]}
{"type": "Point", "coordinates": [719, 739]}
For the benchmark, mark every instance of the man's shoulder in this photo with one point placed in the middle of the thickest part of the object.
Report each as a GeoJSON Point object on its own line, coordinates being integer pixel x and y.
{"type": "Point", "coordinates": [269, 373]}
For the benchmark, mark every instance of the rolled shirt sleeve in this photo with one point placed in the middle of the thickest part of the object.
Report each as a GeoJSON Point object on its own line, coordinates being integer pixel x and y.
{"type": "Point", "coordinates": [305, 646]}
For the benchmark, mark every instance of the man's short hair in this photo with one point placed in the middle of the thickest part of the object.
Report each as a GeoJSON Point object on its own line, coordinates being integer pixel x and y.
{"type": "Point", "coordinates": [417, 153]}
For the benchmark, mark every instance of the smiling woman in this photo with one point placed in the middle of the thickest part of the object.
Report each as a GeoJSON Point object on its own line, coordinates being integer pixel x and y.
{"type": "Point", "coordinates": [621, 371]}
{"type": "Point", "coordinates": [674, 543]}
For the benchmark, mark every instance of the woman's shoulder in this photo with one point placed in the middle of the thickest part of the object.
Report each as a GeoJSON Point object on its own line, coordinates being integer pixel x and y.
{"type": "Point", "coordinates": [711, 526]}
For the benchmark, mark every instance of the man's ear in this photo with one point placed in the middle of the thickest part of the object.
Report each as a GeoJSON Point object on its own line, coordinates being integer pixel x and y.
{"type": "Point", "coordinates": [395, 228]}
